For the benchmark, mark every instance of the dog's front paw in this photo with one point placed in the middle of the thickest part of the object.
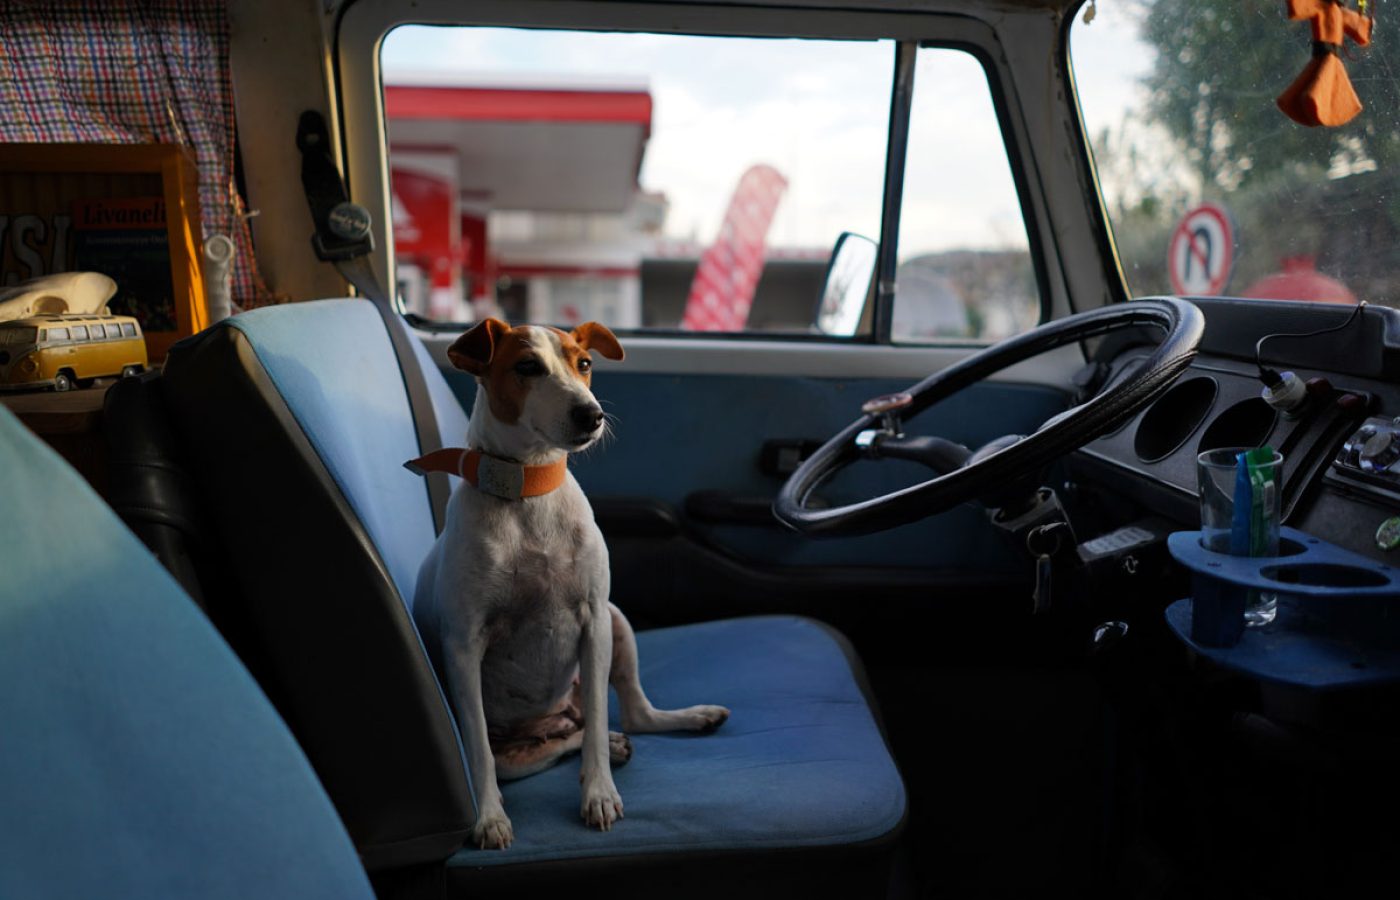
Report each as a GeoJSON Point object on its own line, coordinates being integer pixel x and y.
{"type": "Point", "coordinates": [602, 804]}
{"type": "Point", "coordinates": [492, 830]}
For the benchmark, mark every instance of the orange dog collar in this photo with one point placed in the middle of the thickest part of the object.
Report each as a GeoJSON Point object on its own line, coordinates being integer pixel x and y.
{"type": "Point", "coordinates": [491, 474]}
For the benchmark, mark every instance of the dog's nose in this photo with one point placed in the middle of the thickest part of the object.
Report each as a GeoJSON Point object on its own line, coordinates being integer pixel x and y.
{"type": "Point", "coordinates": [587, 416]}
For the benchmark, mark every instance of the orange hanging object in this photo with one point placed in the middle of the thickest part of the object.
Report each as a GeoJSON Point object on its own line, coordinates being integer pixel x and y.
{"type": "Point", "coordinates": [1322, 94]}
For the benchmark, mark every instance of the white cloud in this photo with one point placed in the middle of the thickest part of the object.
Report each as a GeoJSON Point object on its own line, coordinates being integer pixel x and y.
{"type": "Point", "coordinates": [817, 111]}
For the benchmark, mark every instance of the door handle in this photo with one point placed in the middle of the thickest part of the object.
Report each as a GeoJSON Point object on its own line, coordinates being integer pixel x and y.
{"type": "Point", "coordinates": [781, 457]}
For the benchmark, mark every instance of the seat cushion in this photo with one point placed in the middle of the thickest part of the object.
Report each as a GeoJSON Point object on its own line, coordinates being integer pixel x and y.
{"type": "Point", "coordinates": [137, 757]}
{"type": "Point", "coordinates": [801, 763]}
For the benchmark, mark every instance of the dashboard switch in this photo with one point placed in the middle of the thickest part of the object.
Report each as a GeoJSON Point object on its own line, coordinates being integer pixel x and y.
{"type": "Point", "coordinates": [1372, 453]}
{"type": "Point", "coordinates": [1379, 451]}
{"type": "Point", "coordinates": [1351, 402]}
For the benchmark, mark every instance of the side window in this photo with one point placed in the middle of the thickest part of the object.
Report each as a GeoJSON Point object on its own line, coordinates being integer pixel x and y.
{"type": "Point", "coordinates": [80, 332]}
{"type": "Point", "coordinates": [99, 332]}
{"type": "Point", "coordinates": [57, 334]}
{"type": "Point", "coordinates": [128, 330]}
{"type": "Point", "coordinates": [643, 180]}
{"type": "Point", "coordinates": [964, 267]}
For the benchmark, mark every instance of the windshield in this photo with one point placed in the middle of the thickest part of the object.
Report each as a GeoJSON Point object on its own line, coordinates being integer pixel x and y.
{"type": "Point", "coordinates": [17, 335]}
{"type": "Point", "coordinates": [1210, 187]}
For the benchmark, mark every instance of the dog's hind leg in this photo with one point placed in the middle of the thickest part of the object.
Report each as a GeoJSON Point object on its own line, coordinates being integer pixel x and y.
{"type": "Point", "coordinates": [638, 715]}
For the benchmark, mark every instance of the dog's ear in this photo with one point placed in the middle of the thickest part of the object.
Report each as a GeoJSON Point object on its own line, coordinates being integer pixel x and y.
{"type": "Point", "coordinates": [472, 351]}
{"type": "Point", "coordinates": [592, 336]}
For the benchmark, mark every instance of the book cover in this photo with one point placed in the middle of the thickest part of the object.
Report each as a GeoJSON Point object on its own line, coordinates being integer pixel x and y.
{"type": "Point", "coordinates": [126, 239]}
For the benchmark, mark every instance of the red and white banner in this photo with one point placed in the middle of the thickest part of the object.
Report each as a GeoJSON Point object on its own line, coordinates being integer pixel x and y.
{"type": "Point", "coordinates": [723, 289]}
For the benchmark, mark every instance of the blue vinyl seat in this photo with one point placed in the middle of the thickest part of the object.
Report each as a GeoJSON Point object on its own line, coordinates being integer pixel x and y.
{"type": "Point", "coordinates": [301, 421]}
{"type": "Point", "coordinates": [138, 758]}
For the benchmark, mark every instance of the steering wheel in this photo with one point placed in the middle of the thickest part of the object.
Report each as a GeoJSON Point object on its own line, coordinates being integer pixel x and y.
{"type": "Point", "coordinates": [967, 475]}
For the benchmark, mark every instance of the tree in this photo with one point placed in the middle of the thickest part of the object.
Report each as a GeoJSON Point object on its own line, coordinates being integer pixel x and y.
{"type": "Point", "coordinates": [1219, 66]}
{"type": "Point", "coordinates": [1329, 194]}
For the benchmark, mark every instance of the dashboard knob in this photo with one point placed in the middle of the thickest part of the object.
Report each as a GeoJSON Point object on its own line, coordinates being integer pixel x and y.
{"type": "Point", "coordinates": [1379, 451]}
{"type": "Point", "coordinates": [888, 408]}
{"type": "Point", "coordinates": [886, 403]}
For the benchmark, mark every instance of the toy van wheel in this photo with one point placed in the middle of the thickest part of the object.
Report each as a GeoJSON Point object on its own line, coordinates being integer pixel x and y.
{"type": "Point", "coordinates": [63, 381]}
{"type": "Point", "coordinates": [131, 371]}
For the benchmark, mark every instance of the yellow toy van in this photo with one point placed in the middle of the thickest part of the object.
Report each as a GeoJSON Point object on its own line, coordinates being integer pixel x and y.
{"type": "Point", "coordinates": [63, 351]}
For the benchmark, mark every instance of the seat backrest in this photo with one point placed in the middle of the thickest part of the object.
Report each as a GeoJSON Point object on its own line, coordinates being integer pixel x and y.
{"type": "Point", "coordinates": [297, 424]}
{"type": "Point", "coordinates": [137, 757]}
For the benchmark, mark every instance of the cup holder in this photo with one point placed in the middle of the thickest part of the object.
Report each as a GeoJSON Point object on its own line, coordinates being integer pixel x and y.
{"type": "Point", "coordinates": [1246, 424]}
{"type": "Point", "coordinates": [1286, 547]}
{"type": "Point", "coordinates": [1325, 575]}
{"type": "Point", "coordinates": [1171, 420]}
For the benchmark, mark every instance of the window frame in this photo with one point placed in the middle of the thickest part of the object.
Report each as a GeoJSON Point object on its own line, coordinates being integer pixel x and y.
{"type": "Point", "coordinates": [1015, 161]}
{"type": "Point", "coordinates": [363, 25]}
{"type": "Point", "coordinates": [1114, 277]}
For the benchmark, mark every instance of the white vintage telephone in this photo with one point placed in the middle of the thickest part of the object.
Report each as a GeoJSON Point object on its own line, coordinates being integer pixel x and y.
{"type": "Point", "coordinates": [64, 292]}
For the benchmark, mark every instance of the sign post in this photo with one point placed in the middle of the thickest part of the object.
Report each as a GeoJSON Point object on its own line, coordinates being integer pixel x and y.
{"type": "Point", "coordinates": [1201, 253]}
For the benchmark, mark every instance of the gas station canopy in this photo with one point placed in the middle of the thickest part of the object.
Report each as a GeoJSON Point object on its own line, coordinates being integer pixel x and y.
{"type": "Point", "coordinates": [526, 147]}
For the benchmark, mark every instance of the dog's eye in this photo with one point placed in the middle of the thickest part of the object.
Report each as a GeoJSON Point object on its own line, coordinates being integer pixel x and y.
{"type": "Point", "coordinates": [584, 364]}
{"type": "Point", "coordinates": [529, 368]}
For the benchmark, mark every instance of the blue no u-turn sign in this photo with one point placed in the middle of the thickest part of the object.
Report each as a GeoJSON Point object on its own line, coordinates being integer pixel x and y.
{"type": "Point", "coordinates": [1201, 254]}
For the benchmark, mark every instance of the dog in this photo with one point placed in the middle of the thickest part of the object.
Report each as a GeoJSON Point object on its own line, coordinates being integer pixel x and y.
{"type": "Point", "coordinates": [512, 599]}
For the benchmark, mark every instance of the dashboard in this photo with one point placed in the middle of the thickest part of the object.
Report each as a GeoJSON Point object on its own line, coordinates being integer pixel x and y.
{"type": "Point", "coordinates": [1341, 446]}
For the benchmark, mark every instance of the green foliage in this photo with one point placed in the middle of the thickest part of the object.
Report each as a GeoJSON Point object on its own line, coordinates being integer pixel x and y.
{"type": "Point", "coordinates": [1330, 194]}
{"type": "Point", "coordinates": [1221, 63]}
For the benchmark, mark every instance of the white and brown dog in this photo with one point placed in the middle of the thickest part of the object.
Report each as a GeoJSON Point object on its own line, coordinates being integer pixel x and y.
{"type": "Point", "coordinates": [513, 597]}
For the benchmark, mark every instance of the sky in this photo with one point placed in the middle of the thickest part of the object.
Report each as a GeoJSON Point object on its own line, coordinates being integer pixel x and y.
{"type": "Point", "coordinates": [1109, 63]}
{"type": "Point", "coordinates": [815, 110]}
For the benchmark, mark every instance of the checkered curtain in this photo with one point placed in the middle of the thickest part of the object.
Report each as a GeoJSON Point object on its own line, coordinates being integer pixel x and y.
{"type": "Point", "coordinates": [131, 71]}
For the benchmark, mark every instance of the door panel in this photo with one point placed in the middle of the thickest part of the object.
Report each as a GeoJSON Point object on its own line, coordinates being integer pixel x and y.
{"type": "Point", "coordinates": [676, 435]}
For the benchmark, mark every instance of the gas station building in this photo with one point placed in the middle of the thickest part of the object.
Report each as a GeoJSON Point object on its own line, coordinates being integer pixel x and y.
{"type": "Point", "coordinates": [523, 200]}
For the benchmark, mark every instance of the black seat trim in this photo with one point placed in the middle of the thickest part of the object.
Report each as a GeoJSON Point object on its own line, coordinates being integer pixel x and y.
{"type": "Point", "coordinates": [350, 678]}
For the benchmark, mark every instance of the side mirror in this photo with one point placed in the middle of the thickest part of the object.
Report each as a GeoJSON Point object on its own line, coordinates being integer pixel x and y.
{"type": "Point", "coordinates": [849, 277]}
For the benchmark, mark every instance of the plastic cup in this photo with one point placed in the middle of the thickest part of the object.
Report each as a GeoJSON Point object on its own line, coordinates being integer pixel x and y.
{"type": "Point", "coordinates": [1217, 474]}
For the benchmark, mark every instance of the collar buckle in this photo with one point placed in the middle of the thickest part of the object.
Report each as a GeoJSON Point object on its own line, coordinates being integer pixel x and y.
{"type": "Point", "coordinates": [500, 478]}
